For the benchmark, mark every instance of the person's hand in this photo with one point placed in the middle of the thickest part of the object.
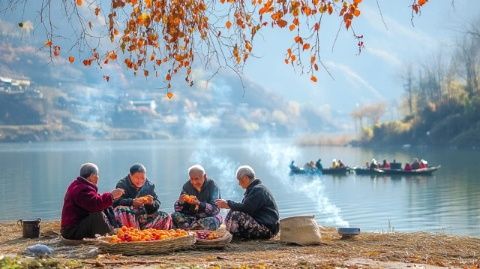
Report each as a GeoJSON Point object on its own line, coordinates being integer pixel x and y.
{"type": "Point", "coordinates": [195, 201]}
{"type": "Point", "coordinates": [222, 203]}
{"type": "Point", "coordinates": [149, 200]}
{"type": "Point", "coordinates": [138, 202]}
{"type": "Point", "coordinates": [117, 193]}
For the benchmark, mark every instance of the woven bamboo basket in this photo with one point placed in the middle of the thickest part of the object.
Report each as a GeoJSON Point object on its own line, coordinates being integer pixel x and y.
{"type": "Point", "coordinates": [220, 242]}
{"type": "Point", "coordinates": [146, 247]}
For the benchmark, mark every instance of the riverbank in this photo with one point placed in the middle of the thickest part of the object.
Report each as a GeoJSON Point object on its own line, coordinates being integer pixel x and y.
{"type": "Point", "coordinates": [368, 250]}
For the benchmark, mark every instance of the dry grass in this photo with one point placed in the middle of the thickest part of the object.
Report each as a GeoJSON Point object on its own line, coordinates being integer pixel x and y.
{"type": "Point", "coordinates": [368, 250]}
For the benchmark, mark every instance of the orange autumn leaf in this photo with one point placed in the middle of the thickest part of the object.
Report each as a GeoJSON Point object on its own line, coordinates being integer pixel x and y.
{"type": "Point", "coordinates": [415, 8]}
{"type": "Point", "coordinates": [48, 43]}
{"type": "Point", "coordinates": [357, 1]}
{"type": "Point", "coordinates": [348, 23]}
{"type": "Point", "coordinates": [298, 39]}
{"type": "Point", "coordinates": [282, 23]}
{"type": "Point", "coordinates": [296, 21]}
{"type": "Point", "coordinates": [306, 46]}
{"type": "Point", "coordinates": [79, 2]}
{"type": "Point", "coordinates": [71, 59]}
{"type": "Point", "coordinates": [313, 78]}
{"type": "Point", "coordinates": [330, 9]}
{"type": "Point", "coordinates": [168, 77]}
{"type": "Point", "coordinates": [422, 2]}
{"type": "Point", "coordinates": [112, 55]}
{"type": "Point", "coordinates": [356, 13]}
{"type": "Point", "coordinates": [97, 11]}
{"type": "Point", "coordinates": [228, 24]}
{"type": "Point", "coordinates": [169, 95]}
{"type": "Point", "coordinates": [291, 27]}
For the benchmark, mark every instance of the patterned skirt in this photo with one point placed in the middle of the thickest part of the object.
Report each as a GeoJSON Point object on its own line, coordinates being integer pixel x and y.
{"type": "Point", "coordinates": [242, 225]}
{"type": "Point", "coordinates": [136, 217]}
{"type": "Point", "coordinates": [189, 222]}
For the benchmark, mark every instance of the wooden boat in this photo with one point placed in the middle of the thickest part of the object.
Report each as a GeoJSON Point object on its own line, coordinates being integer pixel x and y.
{"type": "Point", "coordinates": [336, 171]}
{"type": "Point", "coordinates": [294, 170]}
{"type": "Point", "coordinates": [418, 172]}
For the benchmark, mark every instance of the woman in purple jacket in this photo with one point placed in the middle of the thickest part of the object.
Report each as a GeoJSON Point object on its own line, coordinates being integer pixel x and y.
{"type": "Point", "coordinates": [82, 215]}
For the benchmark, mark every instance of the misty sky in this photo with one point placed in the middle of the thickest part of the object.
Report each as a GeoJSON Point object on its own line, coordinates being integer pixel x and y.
{"type": "Point", "coordinates": [374, 75]}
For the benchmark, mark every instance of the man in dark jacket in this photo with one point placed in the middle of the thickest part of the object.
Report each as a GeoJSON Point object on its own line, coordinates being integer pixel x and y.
{"type": "Point", "coordinates": [256, 217]}
{"type": "Point", "coordinates": [139, 205]}
{"type": "Point", "coordinates": [82, 215]}
{"type": "Point", "coordinates": [195, 208]}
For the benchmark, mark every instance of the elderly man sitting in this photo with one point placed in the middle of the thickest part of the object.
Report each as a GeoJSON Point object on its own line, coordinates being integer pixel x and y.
{"type": "Point", "coordinates": [82, 215]}
{"type": "Point", "coordinates": [196, 209]}
{"type": "Point", "coordinates": [256, 217]}
{"type": "Point", "coordinates": [139, 206]}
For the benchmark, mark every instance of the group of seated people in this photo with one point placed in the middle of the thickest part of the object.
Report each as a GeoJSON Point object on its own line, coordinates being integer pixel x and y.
{"type": "Point", "coordinates": [416, 164]}
{"type": "Point", "coordinates": [134, 203]}
{"type": "Point", "coordinates": [318, 164]}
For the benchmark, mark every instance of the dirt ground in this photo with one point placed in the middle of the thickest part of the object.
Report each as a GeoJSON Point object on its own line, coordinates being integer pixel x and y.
{"type": "Point", "coordinates": [368, 250]}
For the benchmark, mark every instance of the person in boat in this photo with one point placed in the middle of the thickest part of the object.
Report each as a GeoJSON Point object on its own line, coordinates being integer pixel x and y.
{"type": "Point", "coordinates": [415, 164]}
{"type": "Point", "coordinates": [408, 167]}
{"type": "Point", "coordinates": [373, 164]}
{"type": "Point", "coordinates": [423, 164]}
{"type": "Point", "coordinates": [139, 206]}
{"type": "Point", "coordinates": [293, 166]}
{"type": "Point", "coordinates": [385, 164]}
{"type": "Point", "coordinates": [83, 206]}
{"type": "Point", "coordinates": [334, 163]}
{"type": "Point", "coordinates": [309, 166]}
{"type": "Point", "coordinates": [319, 165]}
{"type": "Point", "coordinates": [340, 164]}
{"type": "Point", "coordinates": [367, 165]}
{"type": "Point", "coordinates": [200, 211]}
{"type": "Point", "coordinates": [256, 217]}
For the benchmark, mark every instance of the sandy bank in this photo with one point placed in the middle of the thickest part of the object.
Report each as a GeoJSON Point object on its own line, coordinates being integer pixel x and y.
{"type": "Point", "coordinates": [368, 250]}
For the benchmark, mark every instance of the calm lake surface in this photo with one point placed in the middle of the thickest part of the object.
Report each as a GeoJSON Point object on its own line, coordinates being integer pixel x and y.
{"type": "Point", "coordinates": [34, 177]}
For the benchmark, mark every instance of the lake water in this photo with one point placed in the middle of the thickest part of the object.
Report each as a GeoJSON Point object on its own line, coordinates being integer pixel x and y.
{"type": "Point", "coordinates": [33, 179]}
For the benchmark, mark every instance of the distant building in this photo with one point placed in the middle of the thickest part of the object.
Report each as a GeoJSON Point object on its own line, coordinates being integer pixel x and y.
{"type": "Point", "coordinates": [10, 85]}
{"type": "Point", "coordinates": [144, 104]}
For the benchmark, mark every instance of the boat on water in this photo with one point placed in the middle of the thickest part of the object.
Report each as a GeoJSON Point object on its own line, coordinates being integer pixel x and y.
{"type": "Point", "coordinates": [378, 171]}
{"type": "Point", "coordinates": [295, 170]}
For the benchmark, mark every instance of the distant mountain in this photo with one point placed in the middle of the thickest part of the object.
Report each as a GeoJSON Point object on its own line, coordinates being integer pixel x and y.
{"type": "Point", "coordinates": [223, 106]}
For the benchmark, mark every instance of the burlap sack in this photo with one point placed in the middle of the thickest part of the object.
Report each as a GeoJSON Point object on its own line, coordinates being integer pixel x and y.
{"type": "Point", "coordinates": [301, 230]}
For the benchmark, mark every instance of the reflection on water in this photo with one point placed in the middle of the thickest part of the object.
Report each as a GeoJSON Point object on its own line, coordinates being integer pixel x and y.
{"type": "Point", "coordinates": [34, 178]}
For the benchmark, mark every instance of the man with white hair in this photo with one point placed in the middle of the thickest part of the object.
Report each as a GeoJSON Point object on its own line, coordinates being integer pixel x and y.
{"type": "Point", "coordinates": [256, 217]}
{"type": "Point", "coordinates": [82, 215]}
{"type": "Point", "coordinates": [195, 208]}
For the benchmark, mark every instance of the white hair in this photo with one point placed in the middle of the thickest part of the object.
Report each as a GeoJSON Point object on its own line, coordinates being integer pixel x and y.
{"type": "Point", "coordinates": [87, 169]}
{"type": "Point", "coordinates": [196, 168]}
{"type": "Point", "coordinates": [245, 170]}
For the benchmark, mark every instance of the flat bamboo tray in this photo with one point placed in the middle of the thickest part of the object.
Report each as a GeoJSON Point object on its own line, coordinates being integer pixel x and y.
{"type": "Point", "coordinates": [146, 247]}
{"type": "Point", "coordinates": [220, 242]}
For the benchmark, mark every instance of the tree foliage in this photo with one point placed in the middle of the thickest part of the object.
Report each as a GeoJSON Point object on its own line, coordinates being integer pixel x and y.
{"type": "Point", "coordinates": [163, 38]}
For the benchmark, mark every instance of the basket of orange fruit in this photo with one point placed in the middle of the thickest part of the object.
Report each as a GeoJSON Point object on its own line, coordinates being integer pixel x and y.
{"type": "Point", "coordinates": [212, 239]}
{"type": "Point", "coordinates": [132, 241]}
